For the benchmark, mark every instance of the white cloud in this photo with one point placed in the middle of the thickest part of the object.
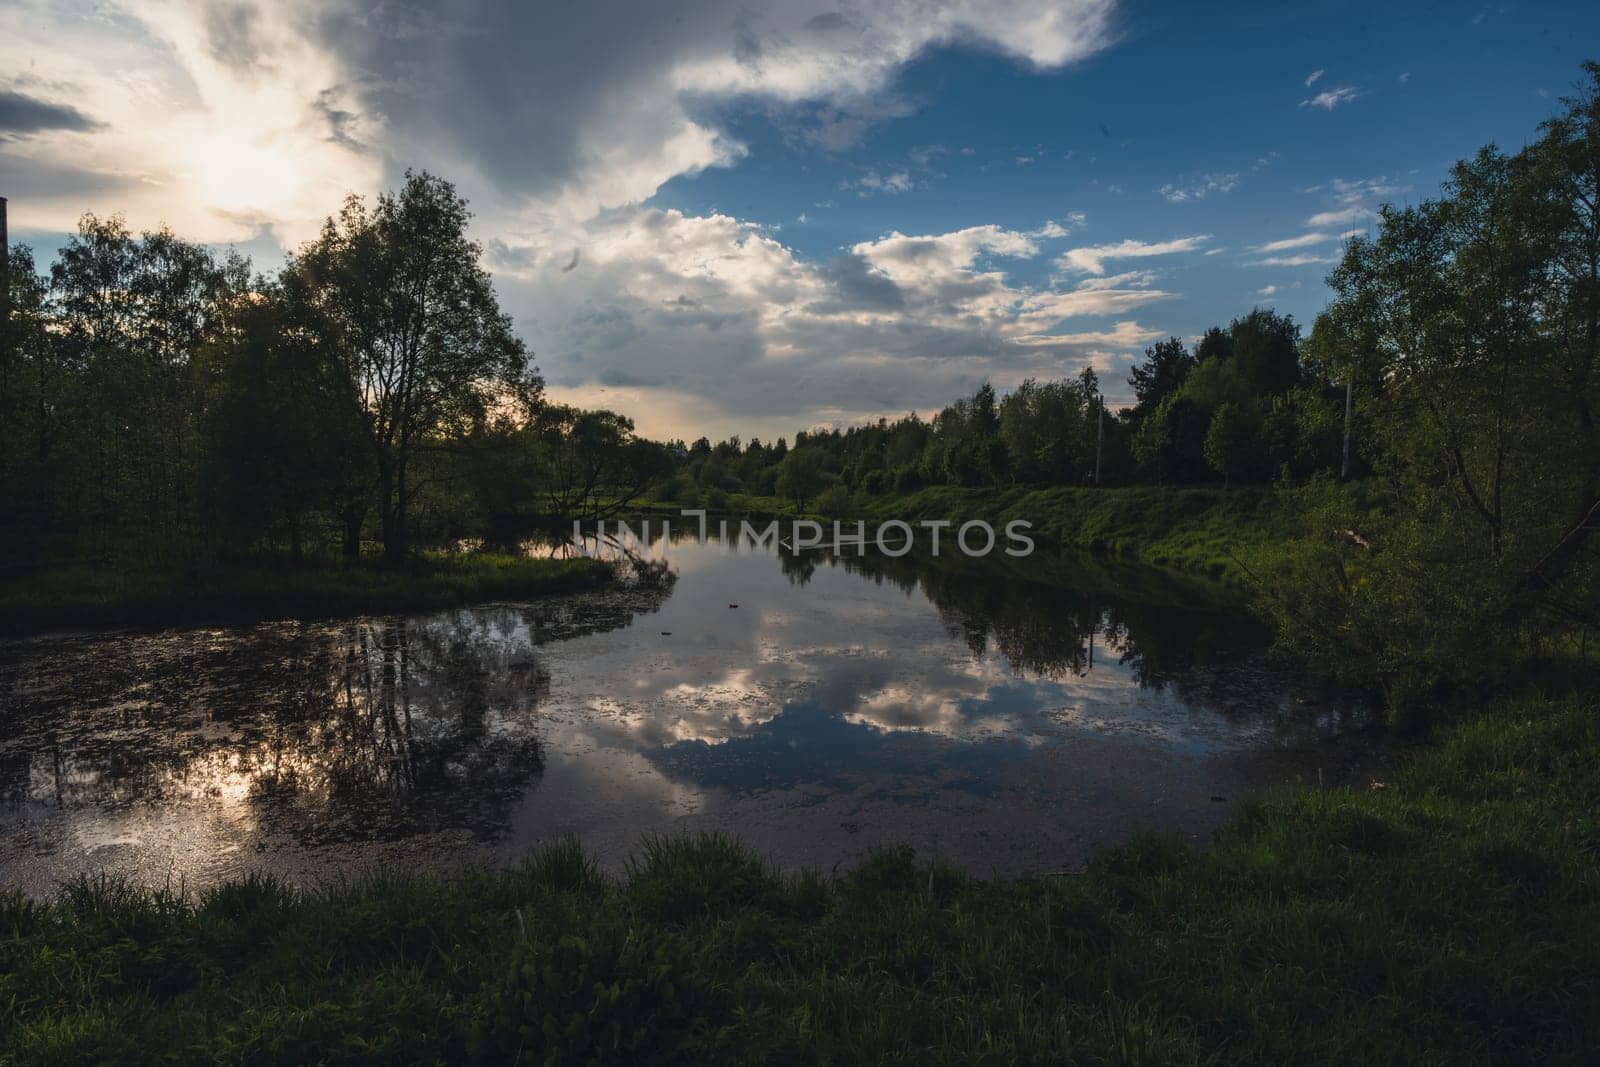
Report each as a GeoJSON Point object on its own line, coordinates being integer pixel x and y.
{"type": "Point", "coordinates": [219, 122]}
{"type": "Point", "coordinates": [912, 260]}
{"type": "Point", "coordinates": [735, 332]}
{"type": "Point", "coordinates": [1354, 201]}
{"type": "Point", "coordinates": [224, 119]}
{"type": "Point", "coordinates": [894, 182]}
{"type": "Point", "coordinates": [1304, 260]}
{"type": "Point", "coordinates": [1267, 290]}
{"type": "Point", "coordinates": [1340, 216]}
{"type": "Point", "coordinates": [1092, 259]}
{"type": "Point", "coordinates": [1303, 241]}
{"type": "Point", "coordinates": [1054, 228]}
{"type": "Point", "coordinates": [1311, 79]}
{"type": "Point", "coordinates": [1329, 99]}
{"type": "Point", "coordinates": [1199, 188]}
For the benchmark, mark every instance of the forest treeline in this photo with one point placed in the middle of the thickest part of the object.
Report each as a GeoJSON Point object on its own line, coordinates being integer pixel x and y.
{"type": "Point", "coordinates": [1250, 403]}
{"type": "Point", "coordinates": [163, 404]}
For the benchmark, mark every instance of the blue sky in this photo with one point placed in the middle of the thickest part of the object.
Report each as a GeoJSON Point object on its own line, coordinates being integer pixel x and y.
{"type": "Point", "coordinates": [1200, 100]}
{"type": "Point", "coordinates": [758, 217]}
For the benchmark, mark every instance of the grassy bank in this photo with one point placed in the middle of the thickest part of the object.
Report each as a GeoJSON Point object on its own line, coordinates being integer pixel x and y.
{"type": "Point", "coordinates": [1225, 534]}
{"type": "Point", "coordinates": [1450, 916]}
{"type": "Point", "coordinates": [92, 596]}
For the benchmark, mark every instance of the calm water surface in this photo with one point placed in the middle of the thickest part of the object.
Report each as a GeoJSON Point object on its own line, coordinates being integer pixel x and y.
{"type": "Point", "coordinates": [1009, 720]}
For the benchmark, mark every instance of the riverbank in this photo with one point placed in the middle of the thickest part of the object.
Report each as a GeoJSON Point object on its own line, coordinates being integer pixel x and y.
{"type": "Point", "coordinates": [1226, 534]}
{"type": "Point", "coordinates": [1444, 914]}
{"type": "Point", "coordinates": [235, 594]}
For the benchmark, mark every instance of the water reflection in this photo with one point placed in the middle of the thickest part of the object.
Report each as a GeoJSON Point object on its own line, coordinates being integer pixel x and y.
{"type": "Point", "coordinates": [1008, 715]}
{"type": "Point", "coordinates": [374, 729]}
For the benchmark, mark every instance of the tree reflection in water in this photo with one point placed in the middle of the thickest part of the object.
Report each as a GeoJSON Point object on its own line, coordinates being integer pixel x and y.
{"type": "Point", "coordinates": [403, 726]}
{"type": "Point", "coordinates": [376, 728]}
{"type": "Point", "coordinates": [1054, 617]}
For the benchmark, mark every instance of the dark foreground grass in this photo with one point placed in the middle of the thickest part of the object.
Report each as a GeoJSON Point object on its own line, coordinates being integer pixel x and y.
{"type": "Point", "coordinates": [86, 596]}
{"type": "Point", "coordinates": [1452, 916]}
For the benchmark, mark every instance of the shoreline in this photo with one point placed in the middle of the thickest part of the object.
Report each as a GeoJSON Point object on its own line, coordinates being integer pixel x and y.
{"type": "Point", "coordinates": [81, 598]}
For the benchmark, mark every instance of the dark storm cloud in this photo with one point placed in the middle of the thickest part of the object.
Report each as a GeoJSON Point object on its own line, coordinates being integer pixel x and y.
{"type": "Point", "coordinates": [21, 115]}
{"type": "Point", "coordinates": [515, 87]}
{"type": "Point", "coordinates": [602, 103]}
{"type": "Point", "coordinates": [856, 285]}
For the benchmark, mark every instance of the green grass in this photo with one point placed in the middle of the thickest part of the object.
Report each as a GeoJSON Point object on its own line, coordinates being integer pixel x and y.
{"type": "Point", "coordinates": [1449, 917]}
{"type": "Point", "coordinates": [79, 596]}
{"type": "Point", "coordinates": [1222, 533]}
{"type": "Point", "coordinates": [1226, 534]}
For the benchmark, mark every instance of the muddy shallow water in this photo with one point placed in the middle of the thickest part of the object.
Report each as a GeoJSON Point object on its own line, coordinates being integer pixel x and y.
{"type": "Point", "coordinates": [995, 714]}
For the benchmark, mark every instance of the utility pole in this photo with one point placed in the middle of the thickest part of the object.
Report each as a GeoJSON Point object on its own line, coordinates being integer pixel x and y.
{"type": "Point", "coordinates": [5, 268]}
{"type": "Point", "coordinates": [1099, 439]}
{"type": "Point", "coordinates": [1344, 465]}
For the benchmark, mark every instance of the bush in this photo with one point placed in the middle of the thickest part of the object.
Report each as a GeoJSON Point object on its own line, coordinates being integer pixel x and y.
{"type": "Point", "coordinates": [909, 479]}
{"type": "Point", "coordinates": [835, 500]}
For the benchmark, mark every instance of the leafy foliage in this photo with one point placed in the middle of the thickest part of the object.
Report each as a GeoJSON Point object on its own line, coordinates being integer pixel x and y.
{"type": "Point", "coordinates": [160, 407]}
{"type": "Point", "coordinates": [1469, 324]}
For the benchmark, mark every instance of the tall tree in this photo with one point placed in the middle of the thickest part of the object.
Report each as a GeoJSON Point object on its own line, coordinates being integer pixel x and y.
{"type": "Point", "coordinates": [403, 311]}
{"type": "Point", "coordinates": [128, 314]}
{"type": "Point", "coordinates": [1475, 315]}
{"type": "Point", "coordinates": [1266, 349]}
{"type": "Point", "coordinates": [1166, 364]}
{"type": "Point", "coordinates": [1215, 343]}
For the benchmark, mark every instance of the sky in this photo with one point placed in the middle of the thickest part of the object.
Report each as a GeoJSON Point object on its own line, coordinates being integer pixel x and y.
{"type": "Point", "coordinates": [764, 216]}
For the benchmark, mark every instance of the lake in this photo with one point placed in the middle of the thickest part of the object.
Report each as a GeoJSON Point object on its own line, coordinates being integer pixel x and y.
{"type": "Point", "coordinates": [1007, 715]}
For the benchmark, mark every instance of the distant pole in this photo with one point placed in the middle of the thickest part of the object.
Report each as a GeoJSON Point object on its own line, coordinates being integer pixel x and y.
{"type": "Point", "coordinates": [1344, 465]}
{"type": "Point", "coordinates": [1099, 438]}
{"type": "Point", "coordinates": [5, 267]}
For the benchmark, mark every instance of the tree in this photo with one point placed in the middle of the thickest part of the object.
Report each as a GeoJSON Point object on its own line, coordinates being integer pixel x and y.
{"type": "Point", "coordinates": [800, 476]}
{"type": "Point", "coordinates": [1265, 348]}
{"type": "Point", "coordinates": [1042, 427]}
{"type": "Point", "coordinates": [1476, 316]}
{"type": "Point", "coordinates": [1229, 440]}
{"type": "Point", "coordinates": [1169, 443]}
{"type": "Point", "coordinates": [281, 444]}
{"type": "Point", "coordinates": [1215, 343]}
{"type": "Point", "coordinates": [35, 391]}
{"type": "Point", "coordinates": [591, 463]}
{"type": "Point", "coordinates": [401, 309]}
{"type": "Point", "coordinates": [1166, 364]}
{"type": "Point", "coordinates": [127, 314]}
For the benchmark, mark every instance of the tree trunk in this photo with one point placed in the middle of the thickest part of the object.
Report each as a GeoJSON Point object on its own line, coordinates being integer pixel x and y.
{"type": "Point", "coordinates": [394, 535]}
{"type": "Point", "coordinates": [390, 518]}
{"type": "Point", "coordinates": [353, 521]}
